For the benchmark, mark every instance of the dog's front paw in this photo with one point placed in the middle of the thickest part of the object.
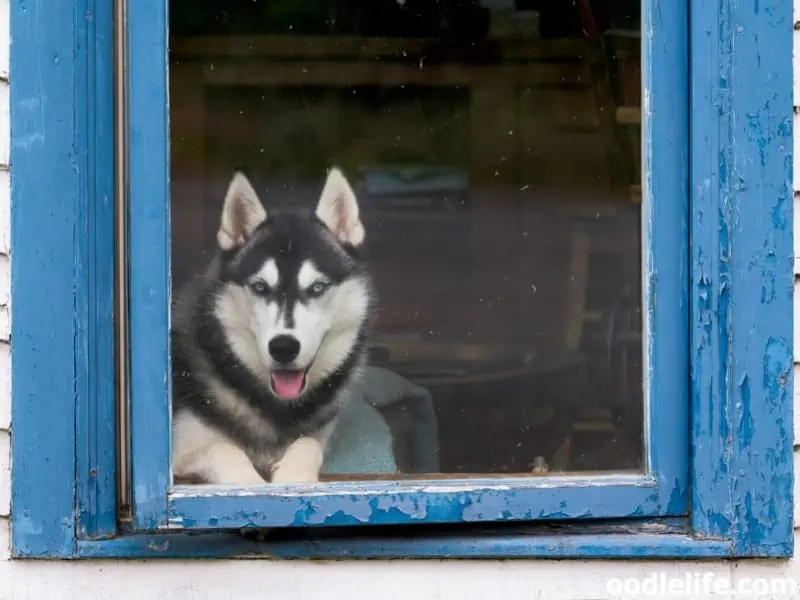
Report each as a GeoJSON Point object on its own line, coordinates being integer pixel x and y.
{"type": "Point", "coordinates": [300, 464]}
{"type": "Point", "coordinates": [294, 473]}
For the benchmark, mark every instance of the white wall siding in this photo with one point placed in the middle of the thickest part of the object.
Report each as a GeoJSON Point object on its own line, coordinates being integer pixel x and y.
{"type": "Point", "coordinates": [366, 580]}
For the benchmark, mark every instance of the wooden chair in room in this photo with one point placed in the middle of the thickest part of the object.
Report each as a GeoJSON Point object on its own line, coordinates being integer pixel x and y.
{"type": "Point", "coordinates": [617, 329]}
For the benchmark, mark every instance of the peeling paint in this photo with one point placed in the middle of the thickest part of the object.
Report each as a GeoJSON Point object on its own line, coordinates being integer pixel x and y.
{"type": "Point", "coordinates": [403, 503]}
{"type": "Point", "coordinates": [741, 389]}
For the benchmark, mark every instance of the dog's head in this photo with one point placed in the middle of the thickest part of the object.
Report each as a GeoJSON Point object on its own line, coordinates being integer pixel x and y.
{"type": "Point", "coordinates": [295, 299]}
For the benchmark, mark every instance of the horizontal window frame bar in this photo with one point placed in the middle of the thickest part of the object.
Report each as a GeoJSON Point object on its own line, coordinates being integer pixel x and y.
{"type": "Point", "coordinates": [393, 503]}
{"type": "Point", "coordinates": [619, 539]}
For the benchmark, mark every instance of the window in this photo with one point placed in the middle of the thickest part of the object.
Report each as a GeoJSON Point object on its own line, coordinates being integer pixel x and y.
{"type": "Point", "coordinates": [579, 348]}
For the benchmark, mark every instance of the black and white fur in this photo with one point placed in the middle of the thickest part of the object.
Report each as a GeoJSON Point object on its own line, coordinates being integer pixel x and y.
{"type": "Point", "coordinates": [269, 343]}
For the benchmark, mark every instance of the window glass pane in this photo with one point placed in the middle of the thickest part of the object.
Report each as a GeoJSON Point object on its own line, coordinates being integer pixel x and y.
{"type": "Point", "coordinates": [490, 154]}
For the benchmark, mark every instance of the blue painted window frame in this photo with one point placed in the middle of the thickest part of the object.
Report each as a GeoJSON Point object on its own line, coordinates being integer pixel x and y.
{"type": "Point", "coordinates": [661, 492]}
{"type": "Point", "coordinates": [722, 455]}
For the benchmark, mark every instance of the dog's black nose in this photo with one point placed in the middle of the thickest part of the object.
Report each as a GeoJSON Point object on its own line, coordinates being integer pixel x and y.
{"type": "Point", "coordinates": [284, 348]}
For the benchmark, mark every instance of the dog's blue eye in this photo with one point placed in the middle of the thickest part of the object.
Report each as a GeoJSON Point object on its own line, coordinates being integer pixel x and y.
{"type": "Point", "coordinates": [317, 288]}
{"type": "Point", "coordinates": [259, 288]}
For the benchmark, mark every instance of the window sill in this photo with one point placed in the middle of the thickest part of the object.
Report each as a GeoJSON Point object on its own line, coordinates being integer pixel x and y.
{"type": "Point", "coordinates": [357, 545]}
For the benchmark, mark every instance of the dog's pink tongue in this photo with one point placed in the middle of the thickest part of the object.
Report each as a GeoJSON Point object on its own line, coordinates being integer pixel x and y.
{"type": "Point", "coordinates": [287, 384]}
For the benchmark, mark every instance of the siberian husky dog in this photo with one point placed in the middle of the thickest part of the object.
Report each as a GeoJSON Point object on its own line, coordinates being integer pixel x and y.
{"type": "Point", "coordinates": [268, 345]}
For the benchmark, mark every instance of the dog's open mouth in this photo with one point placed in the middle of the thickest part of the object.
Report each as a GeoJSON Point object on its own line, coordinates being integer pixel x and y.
{"type": "Point", "coordinates": [288, 384]}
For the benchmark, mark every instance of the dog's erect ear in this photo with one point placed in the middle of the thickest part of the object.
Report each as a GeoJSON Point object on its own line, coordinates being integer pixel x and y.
{"type": "Point", "coordinates": [242, 212]}
{"type": "Point", "coordinates": [338, 209]}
